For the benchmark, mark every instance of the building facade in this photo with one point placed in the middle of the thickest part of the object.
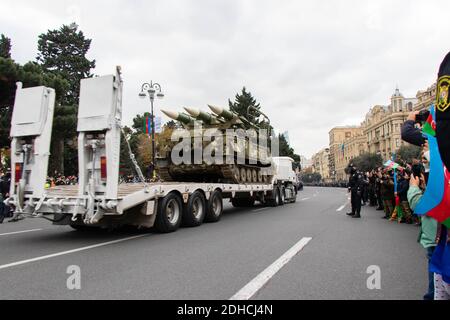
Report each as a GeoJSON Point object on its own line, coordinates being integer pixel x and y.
{"type": "Point", "coordinates": [425, 98]}
{"type": "Point", "coordinates": [344, 144]}
{"type": "Point", "coordinates": [320, 164]}
{"type": "Point", "coordinates": [382, 125]}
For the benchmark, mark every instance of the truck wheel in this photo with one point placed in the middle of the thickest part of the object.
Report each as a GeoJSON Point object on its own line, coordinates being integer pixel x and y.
{"type": "Point", "coordinates": [274, 200]}
{"type": "Point", "coordinates": [215, 207]}
{"type": "Point", "coordinates": [195, 210]}
{"type": "Point", "coordinates": [168, 218]}
{"type": "Point", "coordinates": [282, 197]}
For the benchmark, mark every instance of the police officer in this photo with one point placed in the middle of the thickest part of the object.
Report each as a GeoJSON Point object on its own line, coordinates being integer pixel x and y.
{"type": "Point", "coordinates": [355, 186]}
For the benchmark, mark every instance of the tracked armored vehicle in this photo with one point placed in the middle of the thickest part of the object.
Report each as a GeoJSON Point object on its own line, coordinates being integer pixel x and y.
{"type": "Point", "coordinates": [239, 150]}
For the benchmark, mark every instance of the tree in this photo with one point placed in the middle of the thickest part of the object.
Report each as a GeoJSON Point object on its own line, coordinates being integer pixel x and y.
{"type": "Point", "coordinates": [407, 153]}
{"type": "Point", "coordinates": [367, 161]}
{"type": "Point", "coordinates": [5, 47]}
{"type": "Point", "coordinates": [31, 74]}
{"type": "Point", "coordinates": [139, 122]}
{"type": "Point", "coordinates": [287, 151]}
{"type": "Point", "coordinates": [241, 104]}
{"type": "Point", "coordinates": [63, 52]}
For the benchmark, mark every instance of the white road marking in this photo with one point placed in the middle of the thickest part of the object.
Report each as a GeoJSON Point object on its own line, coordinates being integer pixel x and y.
{"type": "Point", "coordinates": [9, 265]}
{"type": "Point", "coordinates": [17, 232]}
{"type": "Point", "coordinates": [304, 199]}
{"type": "Point", "coordinates": [341, 208]}
{"type": "Point", "coordinates": [247, 292]}
{"type": "Point", "coordinates": [260, 209]}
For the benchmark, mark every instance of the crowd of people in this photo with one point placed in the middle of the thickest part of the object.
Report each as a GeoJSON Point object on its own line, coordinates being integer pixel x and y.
{"type": "Point", "coordinates": [418, 192]}
{"type": "Point", "coordinates": [380, 188]}
{"type": "Point", "coordinates": [61, 180]}
{"type": "Point", "coordinates": [5, 182]}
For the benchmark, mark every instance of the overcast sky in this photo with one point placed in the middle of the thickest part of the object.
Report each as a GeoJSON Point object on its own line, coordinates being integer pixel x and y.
{"type": "Point", "coordinates": [311, 64]}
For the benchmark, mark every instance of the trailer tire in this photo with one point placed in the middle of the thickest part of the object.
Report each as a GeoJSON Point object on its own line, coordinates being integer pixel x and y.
{"type": "Point", "coordinates": [274, 200]}
{"type": "Point", "coordinates": [169, 214]}
{"type": "Point", "coordinates": [194, 211]}
{"type": "Point", "coordinates": [214, 207]}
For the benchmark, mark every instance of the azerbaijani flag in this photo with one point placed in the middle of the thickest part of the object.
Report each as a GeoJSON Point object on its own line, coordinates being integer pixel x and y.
{"type": "Point", "coordinates": [429, 127]}
{"type": "Point", "coordinates": [392, 165]}
{"type": "Point", "coordinates": [147, 125]}
{"type": "Point", "coordinates": [435, 201]}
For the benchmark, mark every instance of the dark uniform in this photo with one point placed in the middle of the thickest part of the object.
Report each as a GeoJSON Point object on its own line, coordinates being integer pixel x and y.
{"type": "Point", "coordinates": [356, 186]}
{"type": "Point", "coordinates": [4, 191]}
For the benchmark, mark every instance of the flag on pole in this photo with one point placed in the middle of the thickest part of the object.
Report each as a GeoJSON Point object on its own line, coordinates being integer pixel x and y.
{"type": "Point", "coordinates": [147, 125]}
{"type": "Point", "coordinates": [158, 126]}
{"type": "Point", "coordinates": [435, 201]}
{"type": "Point", "coordinates": [392, 165]}
{"type": "Point", "coordinates": [398, 208]}
{"type": "Point", "coordinates": [429, 127]}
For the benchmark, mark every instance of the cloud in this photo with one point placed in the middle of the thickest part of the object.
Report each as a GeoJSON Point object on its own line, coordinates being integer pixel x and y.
{"type": "Point", "coordinates": [312, 65]}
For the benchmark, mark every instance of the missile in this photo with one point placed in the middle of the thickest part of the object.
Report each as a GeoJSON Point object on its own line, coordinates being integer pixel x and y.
{"type": "Point", "coordinates": [221, 112]}
{"type": "Point", "coordinates": [179, 116]}
{"type": "Point", "coordinates": [203, 116]}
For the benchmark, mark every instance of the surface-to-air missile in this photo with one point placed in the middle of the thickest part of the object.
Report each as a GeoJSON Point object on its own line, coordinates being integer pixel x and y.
{"type": "Point", "coordinates": [226, 114]}
{"type": "Point", "coordinates": [232, 117]}
{"type": "Point", "coordinates": [205, 117]}
{"type": "Point", "coordinates": [179, 116]}
{"type": "Point", "coordinates": [218, 171]}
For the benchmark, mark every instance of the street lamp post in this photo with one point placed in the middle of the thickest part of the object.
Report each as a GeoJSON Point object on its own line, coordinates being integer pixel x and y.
{"type": "Point", "coordinates": [151, 90]}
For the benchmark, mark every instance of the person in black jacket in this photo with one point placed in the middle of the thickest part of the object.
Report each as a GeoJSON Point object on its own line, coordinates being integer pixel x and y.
{"type": "Point", "coordinates": [410, 133]}
{"type": "Point", "coordinates": [355, 186]}
{"type": "Point", "coordinates": [5, 180]}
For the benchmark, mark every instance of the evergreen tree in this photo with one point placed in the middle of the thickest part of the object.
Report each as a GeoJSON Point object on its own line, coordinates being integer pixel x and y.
{"type": "Point", "coordinates": [241, 104]}
{"type": "Point", "coordinates": [63, 52]}
{"type": "Point", "coordinates": [5, 47]}
{"type": "Point", "coordinates": [31, 74]}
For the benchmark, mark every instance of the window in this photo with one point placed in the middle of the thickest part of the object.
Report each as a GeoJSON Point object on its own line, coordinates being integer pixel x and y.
{"type": "Point", "coordinates": [397, 142]}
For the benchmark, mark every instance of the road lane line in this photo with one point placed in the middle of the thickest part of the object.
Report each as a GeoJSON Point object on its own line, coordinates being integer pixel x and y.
{"type": "Point", "coordinates": [9, 265]}
{"type": "Point", "coordinates": [247, 292]}
{"type": "Point", "coordinates": [17, 232]}
{"type": "Point", "coordinates": [260, 209]}
{"type": "Point", "coordinates": [341, 208]}
{"type": "Point", "coordinates": [304, 199]}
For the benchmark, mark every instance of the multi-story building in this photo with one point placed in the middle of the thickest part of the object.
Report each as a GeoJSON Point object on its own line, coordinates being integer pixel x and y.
{"type": "Point", "coordinates": [342, 140]}
{"type": "Point", "coordinates": [382, 126]}
{"type": "Point", "coordinates": [425, 98]}
{"type": "Point", "coordinates": [320, 164]}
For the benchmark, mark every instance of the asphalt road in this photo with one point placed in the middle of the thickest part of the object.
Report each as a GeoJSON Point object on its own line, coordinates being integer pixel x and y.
{"type": "Point", "coordinates": [215, 261]}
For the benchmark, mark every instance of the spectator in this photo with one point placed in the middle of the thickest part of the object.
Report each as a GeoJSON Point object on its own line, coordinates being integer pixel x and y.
{"type": "Point", "coordinates": [428, 232]}
{"type": "Point", "coordinates": [378, 180]}
{"type": "Point", "coordinates": [387, 195]}
{"type": "Point", "coordinates": [402, 192]}
{"type": "Point", "coordinates": [5, 182]}
{"type": "Point", "coordinates": [372, 189]}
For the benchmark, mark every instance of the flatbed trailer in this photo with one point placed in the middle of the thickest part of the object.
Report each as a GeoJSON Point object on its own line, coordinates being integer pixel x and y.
{"type": "Point", "coordinates": [99, 200]}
